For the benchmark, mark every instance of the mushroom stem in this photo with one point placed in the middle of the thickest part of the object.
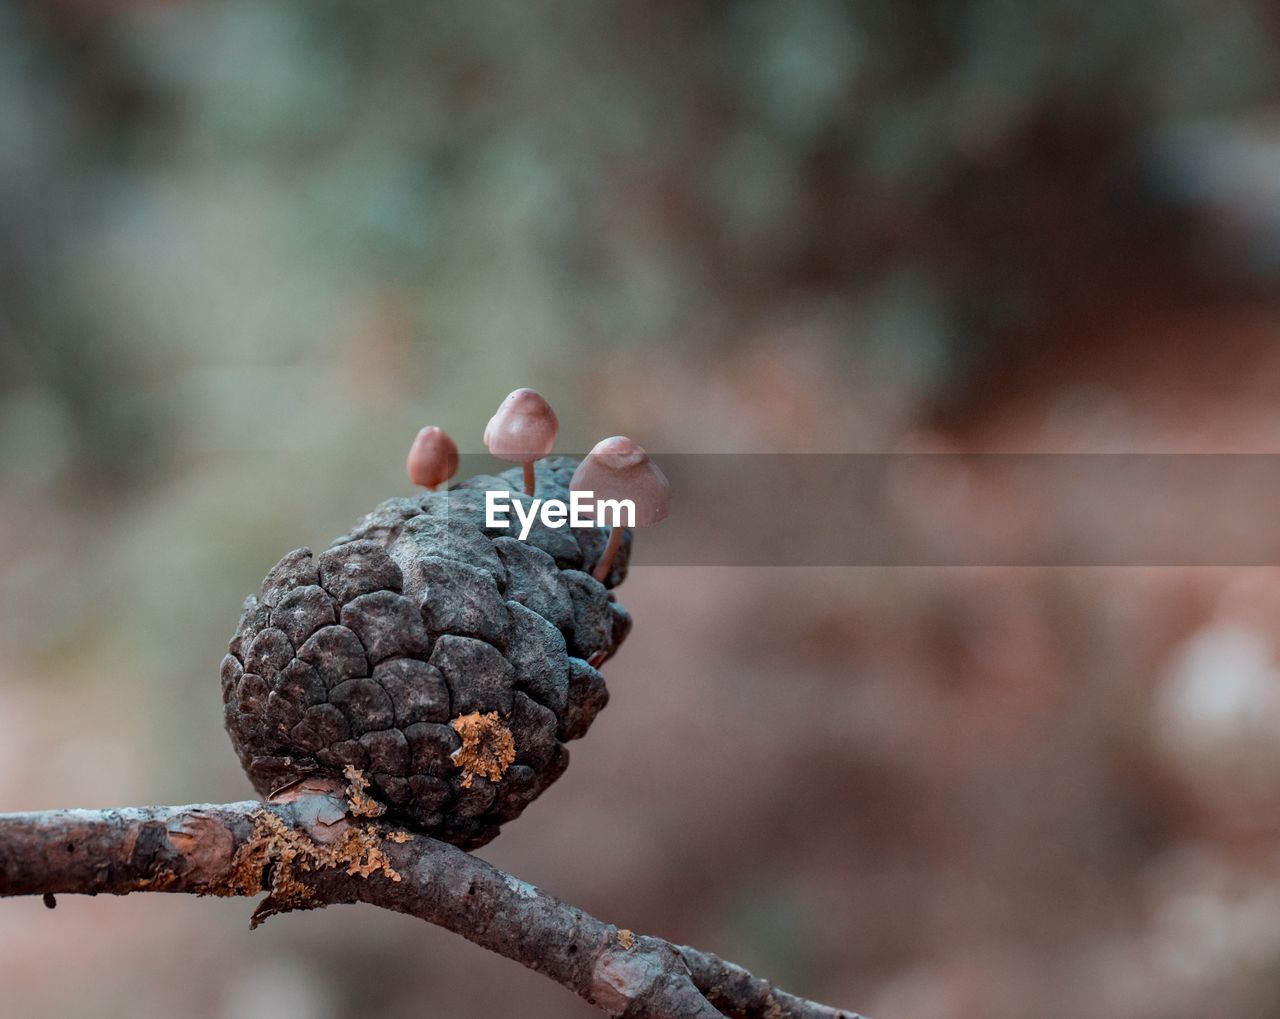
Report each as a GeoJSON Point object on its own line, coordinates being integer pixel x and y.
{"type": "Point", "coordinates": [528, 477]}
{"type": "Point", "coordinates": [610, 553]}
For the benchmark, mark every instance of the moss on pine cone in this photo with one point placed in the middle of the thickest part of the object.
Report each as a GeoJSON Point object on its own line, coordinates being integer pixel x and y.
{"type": "Point", "coordinates": [446, 661]}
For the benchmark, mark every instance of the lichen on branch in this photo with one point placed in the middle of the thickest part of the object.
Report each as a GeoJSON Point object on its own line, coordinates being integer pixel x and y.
{"type": "Point", "coordinates": [310, 847]}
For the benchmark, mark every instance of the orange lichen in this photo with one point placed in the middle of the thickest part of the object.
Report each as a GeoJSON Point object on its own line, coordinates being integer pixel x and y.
{"type": "Point", "coordinates": [488, 748]}
{"type": "Point", "coordinates": [291, 853]}
{"type": "Point", "coordinates": [362, 804]}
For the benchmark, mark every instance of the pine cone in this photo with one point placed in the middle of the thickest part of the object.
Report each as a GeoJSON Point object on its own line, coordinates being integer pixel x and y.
{"type": "Point", "coordinates": [445, 661]}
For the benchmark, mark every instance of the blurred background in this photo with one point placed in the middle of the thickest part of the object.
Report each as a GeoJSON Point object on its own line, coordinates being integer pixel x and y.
{"type": "Point", "coordinates": [247, 249]}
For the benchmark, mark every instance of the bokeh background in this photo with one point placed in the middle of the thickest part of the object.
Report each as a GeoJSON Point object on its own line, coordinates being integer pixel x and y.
{"type": "Point", "coordinates": [247, 248]}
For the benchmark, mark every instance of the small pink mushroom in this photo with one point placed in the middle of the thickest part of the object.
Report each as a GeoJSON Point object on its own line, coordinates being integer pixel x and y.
{"type": "Point", "coordinates": [433, 458]}
{"type": "Point", "coordinates": [522, 430]}
{"type": "Point", "coordinates": [618, 468]}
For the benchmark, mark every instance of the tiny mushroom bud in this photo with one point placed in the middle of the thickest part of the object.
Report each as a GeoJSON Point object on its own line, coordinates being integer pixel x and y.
{"type": "Point", "coordinates": [618, 468]}
{"type": "Point", "coordinates": [523, 430]}
{"type": "Point", "coordinates": [433, 458]}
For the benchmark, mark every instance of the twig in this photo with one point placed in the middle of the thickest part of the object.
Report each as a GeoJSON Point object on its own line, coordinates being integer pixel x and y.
{"type": "Point", "coordinates": [316, 846]}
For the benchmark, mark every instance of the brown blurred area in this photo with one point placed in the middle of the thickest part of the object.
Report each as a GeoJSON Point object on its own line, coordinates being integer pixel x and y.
{"type": "Point", "coordinates": [246, 250]}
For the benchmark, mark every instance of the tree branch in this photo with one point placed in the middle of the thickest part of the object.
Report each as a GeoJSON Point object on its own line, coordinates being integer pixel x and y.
{"type": "Point", "coordinates": [318, 844]}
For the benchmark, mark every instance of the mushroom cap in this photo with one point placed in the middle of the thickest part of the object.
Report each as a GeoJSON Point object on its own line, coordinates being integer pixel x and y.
{"type": "Point", "coordinates": [433, 458]}
{"type": "Point", "coordinates": [524, 428]}
{"type": "Point", "coordinates": [618, 468]}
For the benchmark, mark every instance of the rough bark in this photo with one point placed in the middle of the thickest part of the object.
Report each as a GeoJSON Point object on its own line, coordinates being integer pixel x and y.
{"type": "Point", "coordinates": [319, 844]}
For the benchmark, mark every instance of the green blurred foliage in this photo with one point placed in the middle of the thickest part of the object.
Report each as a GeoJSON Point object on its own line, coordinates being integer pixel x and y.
{"type": "Point", "coordinates": [188, 189]}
